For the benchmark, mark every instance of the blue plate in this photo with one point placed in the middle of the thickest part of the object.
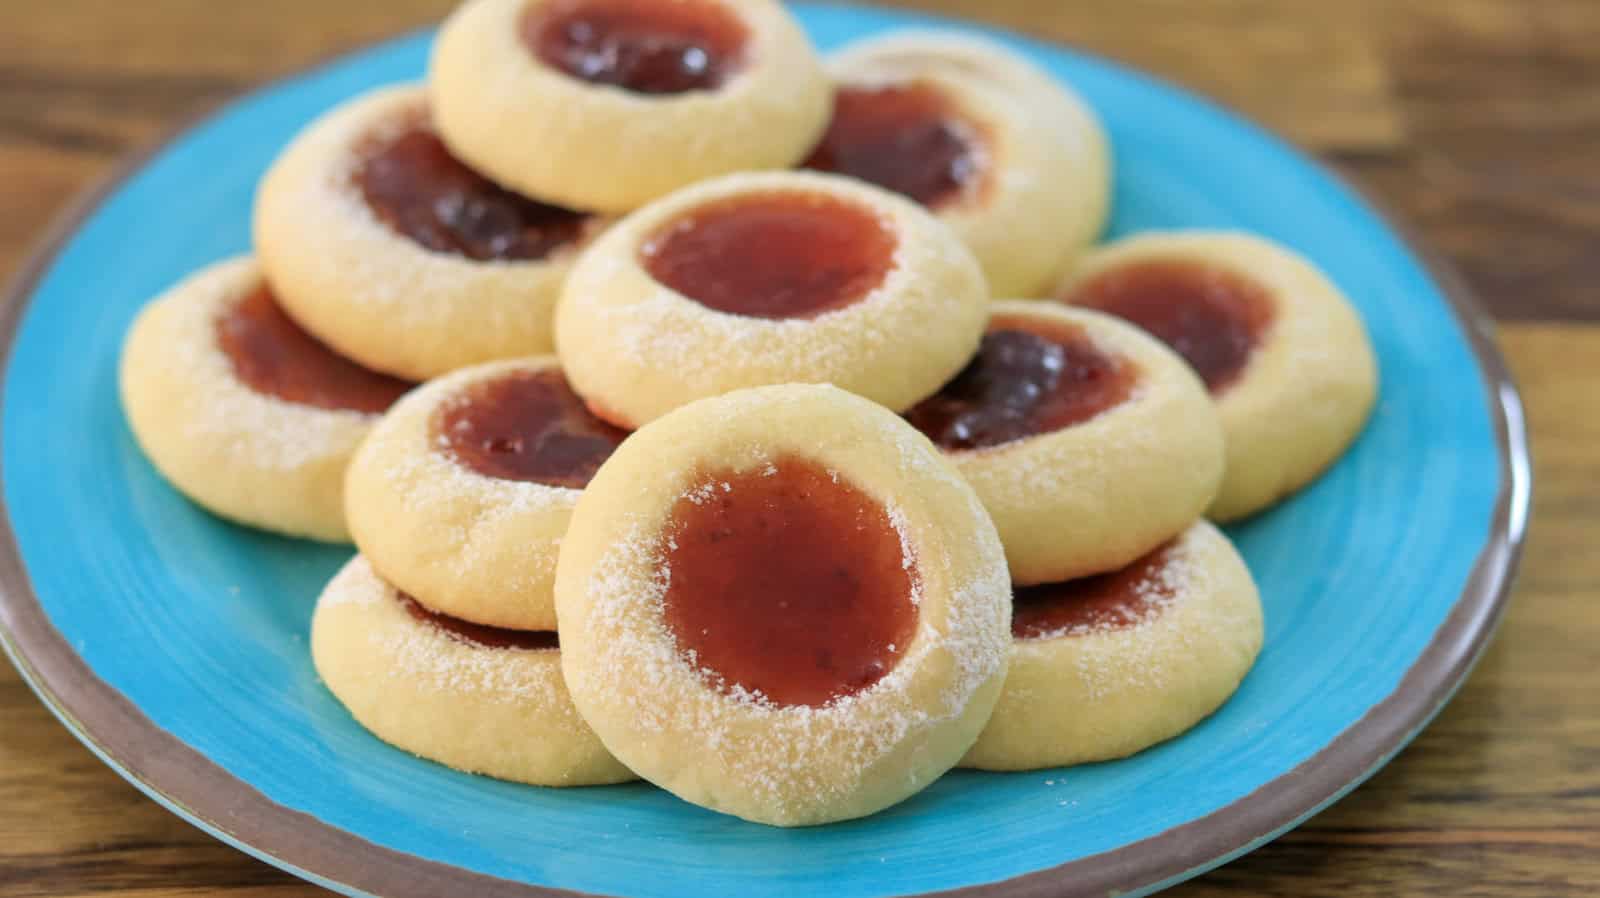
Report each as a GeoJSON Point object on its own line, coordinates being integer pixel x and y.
{"type": "Point", "coordinates": [174, 644]}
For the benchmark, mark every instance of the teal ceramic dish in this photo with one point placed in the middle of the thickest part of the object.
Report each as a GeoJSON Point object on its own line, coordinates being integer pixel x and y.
{"type": "Point", "coordinates": [175, 644]}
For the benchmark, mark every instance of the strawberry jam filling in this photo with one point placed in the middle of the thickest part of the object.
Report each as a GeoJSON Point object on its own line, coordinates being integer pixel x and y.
{"type": "Point", "coordinates": [1213, 317]}
{"type": "Point", "coordinates": [273, 356]}
{"type": "Point", "coordinates": [527, 425]}
{"type": "Point", "coordinates": [784, 254]}
{"type": "Point", "coordinates": [788, 582]}
{"type": "Point", "coordinates": [478, 634]}
{"type": "Point", "coordinates": [906, 138]}
{"type": "Point", "coordinates": [1029, 377]}
{"type": "Point", "coordinates": [641, 46]}
{"type": "Point", "coordinates": [414, 185]}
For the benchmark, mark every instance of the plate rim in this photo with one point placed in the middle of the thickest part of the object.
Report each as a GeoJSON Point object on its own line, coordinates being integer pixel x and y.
{"type": "Point", "coordinates": [186, 782]}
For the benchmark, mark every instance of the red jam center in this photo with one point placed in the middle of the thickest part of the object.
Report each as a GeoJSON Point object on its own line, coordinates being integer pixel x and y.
{"type": "Point", "coordinates": [274, 357]}
{"type": "Point", "coordinates": [643, 46]}
{"type": "Point", "coordinates": [788, 582]}
{"type": "Point", "coordinates": [1114, 601]}
{"type": "Point", "coordinates": [527, 425]}
{"type": "Point", "coordinates": [413, 184]}
{"type": "Point", "coordinates": [774, 255]}
{"type": "Point", "coordinates": [479, 634]}
{"type": "Point", "coordinates": [1029, 377]}
{"type": "Point", "coordinates": [1212, 317]}
{"type": "Point", "coordinates": [906, 138]}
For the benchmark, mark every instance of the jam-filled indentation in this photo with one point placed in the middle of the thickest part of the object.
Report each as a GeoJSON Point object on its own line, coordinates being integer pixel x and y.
{"type": "Point", "coordinates": [1115, 601]}
{"type": "Point", "coordinates": [642, 46]}
{"type": "Point", "coordinates": [480, 635]}
{"type": "Point", "coordinates": [273, 356]}
{"type": "Point", "coordinates": [908, 138]}
{"type": "Point", "coordinates": [1213, 317]}
{"type": "Point", "coordinates": [527, 425]}
{"type": "Point", "coordinates": [413, 184]}
{"type": "Point", "coordinates": [789, 582]}
{"type": "Point", "coordinates": [1030, 376]}
{"type": "Point", "coordinates": [783, 254]}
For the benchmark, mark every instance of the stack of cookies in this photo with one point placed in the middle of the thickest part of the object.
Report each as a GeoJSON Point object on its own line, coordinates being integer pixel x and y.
{"type": "Point", "coordinates": [764, 426]}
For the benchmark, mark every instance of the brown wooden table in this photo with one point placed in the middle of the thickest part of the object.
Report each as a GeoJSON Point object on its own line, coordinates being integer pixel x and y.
{"type": "Point", "coordinates": [1477, 120]}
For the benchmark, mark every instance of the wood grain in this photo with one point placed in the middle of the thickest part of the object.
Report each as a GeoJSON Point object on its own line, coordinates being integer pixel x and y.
{"type": "Point", "coordinates": [1475, 118]}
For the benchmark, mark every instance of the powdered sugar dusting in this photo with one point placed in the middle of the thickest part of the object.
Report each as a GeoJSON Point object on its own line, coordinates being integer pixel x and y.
{"type": "Point", "coordinates": [421, 651]}
{"type": "Point", "coordinates": [395, 282]}
{"type": "Point", "coordinates": [1108, 662]}
{"type": "Point", "coordinates": [773, 751]}
{"type": "Point", "coordinates": [405, 270]}
{"type": "Point", "coordinates": [908, 552]}
{"type": "Point", "coordinates": [1153, 594]}
{"type": "Point", "coordinates": [268, 432]}
{"type": "Point", "coordinates": [462, 508]}
{"type": "Point", "coordinates": [649, 331]}
{"type": "Point", "coordinates": [353, 586]}
{"type": "Point", "coordinates": [425, 652]}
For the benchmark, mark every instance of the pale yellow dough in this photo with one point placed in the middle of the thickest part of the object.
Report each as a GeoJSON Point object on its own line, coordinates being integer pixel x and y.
{"type": "Point", "coordinates": [590, 146]}
{"type": "Point", "coordinates": [372, 293]}
{"type": "Point", "coordinates": [1072, 699]}
{"type": "Point", "coordinates": [247, 456]}
{"type": "Point", "coordinates": [636, 349]}
{"type": "Point", "coordinates": [1308, 388]}
{"type": "Point", "coordinates": [472, 546]}
{"type": "Point", "coordinates": [1094, 496]}
{"type": "Point", "coordinates": [783, 765]}
{"type": "Point", "coordinates": [1046, 187]}
{"type": "Point", "coordinates": [503, 712]}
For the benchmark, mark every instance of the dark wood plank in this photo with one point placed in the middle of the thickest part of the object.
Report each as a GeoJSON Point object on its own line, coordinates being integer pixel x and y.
{"type": "Point", "coordinates": [1499, 170]}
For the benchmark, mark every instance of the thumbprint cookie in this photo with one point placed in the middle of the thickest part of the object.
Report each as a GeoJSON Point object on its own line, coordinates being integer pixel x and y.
{"type": "Point", "coordinates": [782, 604]}
{"type": "Point", "coordinates": [241, 410]}
{"type": "Point", "coordinates": [769, 278]}
{"type": "Point", "coordinates": [1013, 161]}
{"type": "Point", "coordinates": [1089, 442]}
{"type": "Point", "coordinates": [1109, 665]}
{"type": "Point", "coordinates": [462, 493]}
{"type": "Point", "coordinates": [479, 699]}
{"type": "Point", "coordinates": [609, 104]}
{"type": "Point", "coordinates": [383, 244]}
{"type": "Point", "coordinates": [1279, 346]}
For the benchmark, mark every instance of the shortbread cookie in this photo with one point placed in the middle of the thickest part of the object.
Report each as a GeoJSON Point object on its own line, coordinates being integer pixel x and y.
{"type": "Point", "coordinates": [756, 279]}
{"type": "Point", "coordinates": [462, 493]}
{"type": "Point", "coordinates": [243, 411]}
{"type": "Point", "coordinates": [1008, 157]}
{"type": "Point", "coordinates": [1281, 349]}
{"type": "Point", "coordinates": [479, 699]}
{"type": "Point", "coordinates": [609, 104]}
{"type": "Point", "coordinates": [1112, 664]}
{"type": "Point", "coordinates": [782, 604]}
{"type": "Point", "coordinates": [392, 251]}
{"type": "Point", "coordinates": [1089, 442]}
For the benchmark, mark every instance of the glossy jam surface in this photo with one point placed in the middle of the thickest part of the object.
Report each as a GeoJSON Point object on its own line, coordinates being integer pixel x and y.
{"type": "Point", "coordinates": [1029, 377]}
{"type": "Point", "coordinates": [773, 255]}
{"type": "Point", "coordinates": [527, 425]}
{"type": "Point", "coordinates": [478, 634]}
{"type": "Point", "coordinates": [642, 46]}
{"type": "Point", "coordinates": [274, 357]}
{"type": "Point", "coordinates": [1212, 317]}
{"type": "Point", "coordinates": [907, 138]}
{"type": "Point", "coordinates": [413, 185]}
{"type": "Point", "coordinates": [1114, 601]}
{"type": "Point", "coordinates": [787, 582]}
